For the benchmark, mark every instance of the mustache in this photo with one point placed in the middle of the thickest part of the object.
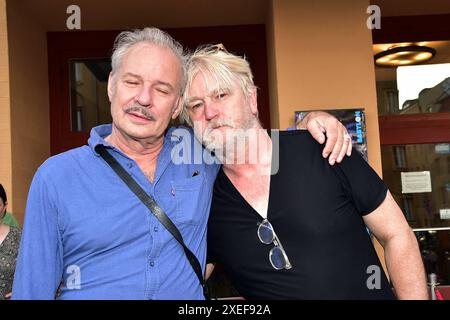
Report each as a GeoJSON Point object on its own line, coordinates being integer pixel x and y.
{"type": "Point", "coordinates": [143, 111]}
{"type": "Point", "coordinates": [208, 133]}
{"type": "Point", "coordinates": [219, 123]}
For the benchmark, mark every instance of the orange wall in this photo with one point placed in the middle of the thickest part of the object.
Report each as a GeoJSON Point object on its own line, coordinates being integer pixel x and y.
{"type": "Point", "coordinates": [272, 68]}
{"type": "Point", "coordinates": [30, 124]}
{"type": "Point", "coordinates": [5, 113]}
{"type": "Point", "coordinates": [322, 59]}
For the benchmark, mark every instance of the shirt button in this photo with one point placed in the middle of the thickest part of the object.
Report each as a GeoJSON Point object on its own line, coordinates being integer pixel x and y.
{"type": "Point", "coordinates": [130, 165]}
{"type": "Point", "coordinates": [173, 192]}
{"type": "Point", "coordinates": [155, 229]}
{"type": "Point", "coordinates": [152, 263]}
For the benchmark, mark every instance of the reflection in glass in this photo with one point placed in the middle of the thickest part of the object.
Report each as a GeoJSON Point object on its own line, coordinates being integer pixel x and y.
{"type": "Point", "coordinates": [89, 103]}
{"type": "Point", "coordinates": [422, 209]}
{"type": "Point", "coordinates": [435, 99]}
{"type": "Point", "coordinates": [435, 249]}
{"type": "Point", "coordinates": [423, 88]}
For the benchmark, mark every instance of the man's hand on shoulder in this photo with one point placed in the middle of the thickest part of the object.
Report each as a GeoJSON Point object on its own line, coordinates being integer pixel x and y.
{"type": "Point", "coordinates": [321, 124]}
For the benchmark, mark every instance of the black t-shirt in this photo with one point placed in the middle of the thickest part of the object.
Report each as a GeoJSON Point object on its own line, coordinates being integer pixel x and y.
{"type": "Point", "coordinates": [316, 211]}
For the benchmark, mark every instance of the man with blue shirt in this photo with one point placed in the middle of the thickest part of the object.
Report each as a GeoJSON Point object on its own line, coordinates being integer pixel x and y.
{"type": "Point", "coordinates": [86, 229]}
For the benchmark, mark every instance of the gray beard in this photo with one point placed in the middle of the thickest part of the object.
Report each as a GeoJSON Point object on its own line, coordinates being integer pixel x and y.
{"type": "Point", "coordinates": [226, 145]}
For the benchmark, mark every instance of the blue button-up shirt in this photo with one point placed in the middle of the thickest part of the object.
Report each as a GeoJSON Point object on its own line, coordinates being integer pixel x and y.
{"type": "Point", "coordinates": [86, 229]}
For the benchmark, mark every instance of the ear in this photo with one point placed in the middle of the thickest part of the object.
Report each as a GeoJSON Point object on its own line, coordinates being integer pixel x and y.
{"type": "Point", "coordinates": [110, 86]}
{"type": "Point", "coordinates": [178, 107]}
{"type": "Point", "coordinates": [253, 101]}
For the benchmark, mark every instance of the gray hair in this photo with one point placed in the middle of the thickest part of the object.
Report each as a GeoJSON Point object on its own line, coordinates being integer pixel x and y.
{"type": "Point", "coordinates": [126, 39]}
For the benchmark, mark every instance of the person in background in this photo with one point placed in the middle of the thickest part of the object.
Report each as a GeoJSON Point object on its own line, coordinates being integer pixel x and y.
{"type": "Point", "coordinates": [10, 220]}
{"type": "Point", "coordinates": [9, 248]}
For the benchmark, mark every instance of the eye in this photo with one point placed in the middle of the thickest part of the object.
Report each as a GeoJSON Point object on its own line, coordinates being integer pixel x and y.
{"type": "Point", "coordinates": [162, 91]}
{"type": "Point", "coordinates": [221, 95]}
{"type": "Point", "coordinates": [131, 82]}
{"type": "Point", "coordinates": [195, 105]}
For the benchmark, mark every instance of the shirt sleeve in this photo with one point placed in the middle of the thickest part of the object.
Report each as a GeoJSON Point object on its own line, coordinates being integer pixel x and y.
{"type": "Point", "coordinates": [39, 264]}
{"type": "Point", "coordinates": [10, 220]}
{"type": "Point", "coordinates": [361, 183]}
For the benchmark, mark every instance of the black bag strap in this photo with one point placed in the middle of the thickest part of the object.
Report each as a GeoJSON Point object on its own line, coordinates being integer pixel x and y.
{"type": "Point", "coordinates": [157, 211]}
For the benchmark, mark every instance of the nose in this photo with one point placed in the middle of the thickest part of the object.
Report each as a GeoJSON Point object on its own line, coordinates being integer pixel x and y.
{"type": "Point", "coordinates": [144, 96]}
{"type": "Point", "coordinates": [211, 109]}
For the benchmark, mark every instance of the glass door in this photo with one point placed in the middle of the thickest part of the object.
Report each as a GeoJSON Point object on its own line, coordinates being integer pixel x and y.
{"type": "Point", "coordinates": [414, 105]}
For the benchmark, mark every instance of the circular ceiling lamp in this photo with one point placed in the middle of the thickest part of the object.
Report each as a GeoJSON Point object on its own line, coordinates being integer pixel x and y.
{"type": "Point", "coordinates": [404, 55]}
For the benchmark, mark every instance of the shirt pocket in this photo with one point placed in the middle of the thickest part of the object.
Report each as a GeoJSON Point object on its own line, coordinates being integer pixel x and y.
{"type": "Point", "coordinates": [191, 199]}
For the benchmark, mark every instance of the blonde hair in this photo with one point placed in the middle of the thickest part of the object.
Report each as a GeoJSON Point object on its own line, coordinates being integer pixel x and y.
{"type": "Point", "coordinates": [222, 66]}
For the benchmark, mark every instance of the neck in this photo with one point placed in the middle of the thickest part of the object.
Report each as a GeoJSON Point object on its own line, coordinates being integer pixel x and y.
{"type": "Point", "coordinates": [143, 151]}
{"type": "Point", "coordinates": [3, 228]}
{"type": "Point", "coordinates": [258, 155]}
{"type": "Point", "coordinates": [135, 148]}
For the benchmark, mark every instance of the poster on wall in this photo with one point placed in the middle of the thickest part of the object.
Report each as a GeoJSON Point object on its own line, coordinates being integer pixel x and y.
{"type": "Point", "coordinates": [355, 122]}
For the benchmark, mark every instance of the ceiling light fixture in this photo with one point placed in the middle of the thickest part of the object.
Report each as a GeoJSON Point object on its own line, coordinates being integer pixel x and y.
{"type": "Point", "coordinates": [404, 55]}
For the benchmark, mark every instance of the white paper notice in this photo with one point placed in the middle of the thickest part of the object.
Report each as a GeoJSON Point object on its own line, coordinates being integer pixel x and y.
{"type": "Point", "coordinates": [444, 213]}
{"type": "Point", "coordinates": [416, 182]}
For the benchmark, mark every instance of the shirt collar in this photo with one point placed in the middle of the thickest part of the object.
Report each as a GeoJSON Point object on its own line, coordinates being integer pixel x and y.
{"type": "Point", "coordinates": [99, 133]}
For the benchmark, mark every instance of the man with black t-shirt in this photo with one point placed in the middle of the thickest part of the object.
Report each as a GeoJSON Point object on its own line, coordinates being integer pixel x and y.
{"type": "Point", "coordinates": [284, 224]}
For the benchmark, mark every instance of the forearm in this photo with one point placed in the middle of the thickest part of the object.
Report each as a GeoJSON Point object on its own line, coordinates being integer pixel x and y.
{"type": "Point", "coordinates": [405, 267]}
